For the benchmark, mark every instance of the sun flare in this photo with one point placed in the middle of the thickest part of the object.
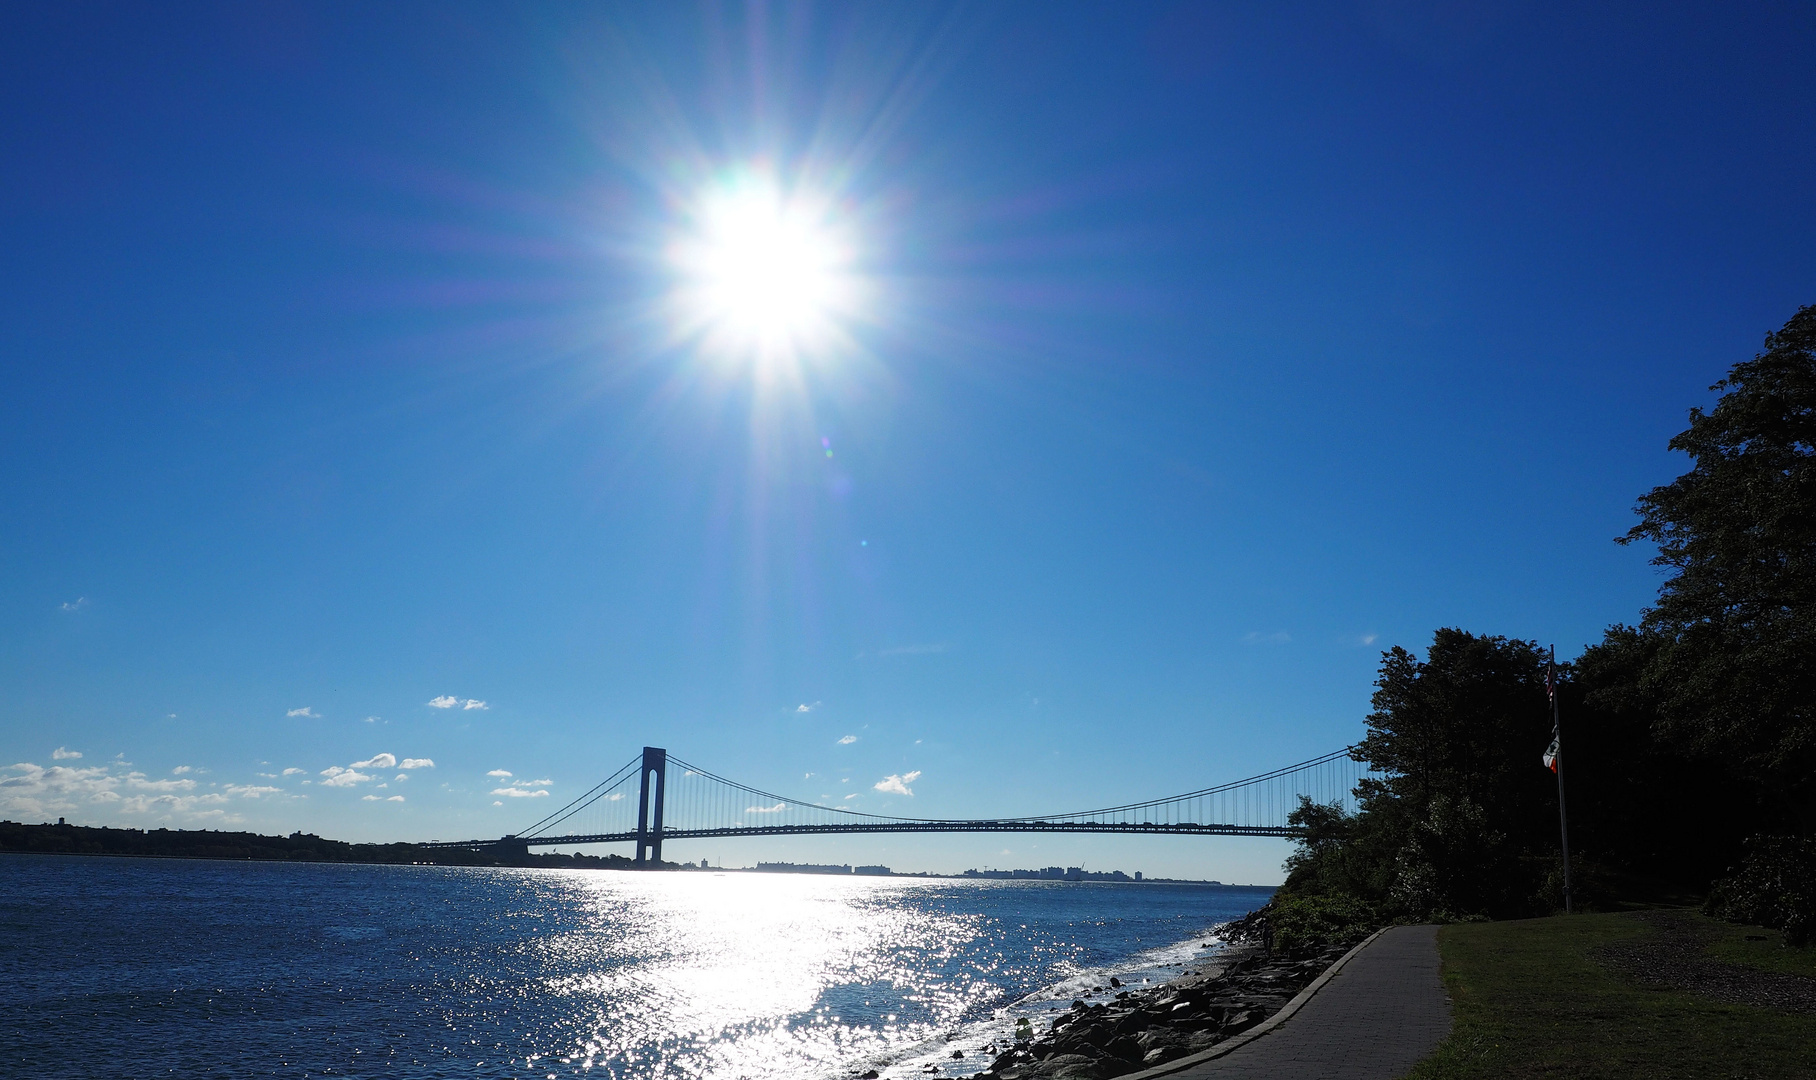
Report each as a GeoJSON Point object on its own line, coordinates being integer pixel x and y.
{"type": "Point", "coordinates": [764, 274]}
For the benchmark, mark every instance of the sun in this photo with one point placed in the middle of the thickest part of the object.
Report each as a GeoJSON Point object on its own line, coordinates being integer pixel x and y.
{"type": "Point", "coordinates": [764, 274]}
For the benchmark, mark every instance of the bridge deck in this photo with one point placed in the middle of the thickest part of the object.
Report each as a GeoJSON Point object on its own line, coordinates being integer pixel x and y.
{"type": "Point", "coordinates": [1126, 828]}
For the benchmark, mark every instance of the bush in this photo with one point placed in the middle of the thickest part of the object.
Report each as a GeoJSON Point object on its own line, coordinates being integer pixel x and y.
{"type": "Point", "coordinates": [1300, 921]}
{"type": "Point", "coordinates": [1774, 886]}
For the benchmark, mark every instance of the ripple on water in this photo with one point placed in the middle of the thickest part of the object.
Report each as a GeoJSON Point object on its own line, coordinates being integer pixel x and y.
{"type": "Point", "coordinates": [245, 969]}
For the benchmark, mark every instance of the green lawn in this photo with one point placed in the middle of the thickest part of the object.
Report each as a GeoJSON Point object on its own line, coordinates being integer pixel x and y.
{"type": "Point", "coordinates": [1530, 1001]}
{"type": "Point", "coordinates": [1757, 947]}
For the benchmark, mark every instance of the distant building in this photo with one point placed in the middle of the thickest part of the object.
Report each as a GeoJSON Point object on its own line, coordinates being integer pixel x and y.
{"type": "Point", "coordinates": [803, 868]}
{"type": "Point", "coordinates": [872, 871]}
{"type": "Point", "coordinates": [1055, 873]}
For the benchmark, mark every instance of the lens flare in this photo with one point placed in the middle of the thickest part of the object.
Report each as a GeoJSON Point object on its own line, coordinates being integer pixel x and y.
{"type": "Point", "coordinates": [764, 274]}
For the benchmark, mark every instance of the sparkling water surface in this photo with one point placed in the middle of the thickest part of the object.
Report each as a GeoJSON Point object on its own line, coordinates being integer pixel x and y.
{"type": "Point", "coordinates": [144, 967]}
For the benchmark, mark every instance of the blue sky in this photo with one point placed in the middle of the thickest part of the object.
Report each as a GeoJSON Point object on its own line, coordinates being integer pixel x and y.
{"type": "Point", "coordinates": [1204, 352]}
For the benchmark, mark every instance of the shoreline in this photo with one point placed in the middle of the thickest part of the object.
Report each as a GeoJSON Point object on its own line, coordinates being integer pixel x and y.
{"type": "Point", "coordinates": [17, 838]}
{"type": "Point", "coordinates": [1242, 988]}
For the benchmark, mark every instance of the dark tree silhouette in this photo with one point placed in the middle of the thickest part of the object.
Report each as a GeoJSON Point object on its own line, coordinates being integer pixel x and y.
{"type": "Point", "coordinates": [1733, 664]}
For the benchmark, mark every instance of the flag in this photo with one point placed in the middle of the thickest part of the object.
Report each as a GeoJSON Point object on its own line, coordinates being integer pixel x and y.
{"type": "Point", "coordinates": [1551, 696]}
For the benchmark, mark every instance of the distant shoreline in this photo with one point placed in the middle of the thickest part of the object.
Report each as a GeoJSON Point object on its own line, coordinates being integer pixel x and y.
{"type": "Point", "coordinates": [207, 844]}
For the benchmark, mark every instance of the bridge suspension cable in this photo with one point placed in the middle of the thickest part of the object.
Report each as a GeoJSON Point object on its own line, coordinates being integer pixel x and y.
{"type": "Point", "coordinates": [604, 789]}
{"type": "Point", "coordinates": [680, 800]}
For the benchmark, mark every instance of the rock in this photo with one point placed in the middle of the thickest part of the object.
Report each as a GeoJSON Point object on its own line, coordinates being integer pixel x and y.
{"type": "Point", "coordinates": [871, 1075]}
{"type": "Point", "coordinates": [1154, 1037]}
{"type": "Point", "coordinates": [1127, 1049]}
{"type": "Point", "coordinates": [1160, 1055]}
{"type": "Point", "coordinates": [1075, 1067]}
{"type": "Point", "coordinates": [1240, 1021]}
{"type": "Point", "coordinates": [1115, 982]}
{"type": "Point", "coordinates": [958, 1055]}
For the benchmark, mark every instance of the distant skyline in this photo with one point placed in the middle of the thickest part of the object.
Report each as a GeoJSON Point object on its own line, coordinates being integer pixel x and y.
{"type": "Point", "coordinates": [410, 412]}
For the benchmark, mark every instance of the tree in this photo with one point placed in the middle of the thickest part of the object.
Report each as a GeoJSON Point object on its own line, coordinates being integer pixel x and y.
{"type": "Point", "coordinates": [1456, 738]}
{"type": "Point", "coordinates": [1733, 667]}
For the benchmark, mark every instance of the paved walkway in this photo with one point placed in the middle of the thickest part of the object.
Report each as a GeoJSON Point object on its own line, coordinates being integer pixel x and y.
{"type": "Point", "coordinates": [1375, 1019]}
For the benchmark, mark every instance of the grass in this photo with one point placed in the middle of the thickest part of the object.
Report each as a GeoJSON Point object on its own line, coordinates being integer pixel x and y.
{"type": "Point", "coordinates": [1759, 948]}
{"type": "Point", "coordinates": [1530, 1000]}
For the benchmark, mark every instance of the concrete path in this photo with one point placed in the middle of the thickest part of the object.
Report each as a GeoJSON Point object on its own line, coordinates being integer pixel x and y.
{"type": "Point", "coordinates": [1374, 1020]}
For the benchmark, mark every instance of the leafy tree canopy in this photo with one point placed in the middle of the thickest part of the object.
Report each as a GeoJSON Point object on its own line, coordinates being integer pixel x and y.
{"type": "Point", "coordinates": [1735, 625]}
{"type": "Point", "coordinates": [1466, 722]}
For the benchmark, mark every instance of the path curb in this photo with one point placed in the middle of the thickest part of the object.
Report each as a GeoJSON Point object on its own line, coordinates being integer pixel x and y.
{"type": "Point", "coordinates": [1272, 1022]}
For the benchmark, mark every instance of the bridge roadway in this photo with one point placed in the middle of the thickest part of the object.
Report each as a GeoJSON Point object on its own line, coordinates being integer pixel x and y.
{"type": "Point", "coordinates": [1136, 827]}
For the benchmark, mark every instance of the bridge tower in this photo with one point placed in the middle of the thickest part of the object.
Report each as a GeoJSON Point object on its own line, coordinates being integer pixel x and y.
{"type": "Point", "coordinates": [649, 826]}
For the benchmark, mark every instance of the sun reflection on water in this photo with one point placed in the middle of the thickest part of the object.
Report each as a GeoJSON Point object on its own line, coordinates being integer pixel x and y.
{"type": "Point", "coordinates": [758, 976]}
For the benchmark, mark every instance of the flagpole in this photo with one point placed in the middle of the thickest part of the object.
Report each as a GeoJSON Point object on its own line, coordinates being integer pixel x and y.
{"type": "Point", "coordinates": [1563, 819]}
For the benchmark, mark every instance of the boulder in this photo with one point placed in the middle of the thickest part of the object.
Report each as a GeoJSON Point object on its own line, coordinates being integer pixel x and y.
{"type": "Point", "coordinates": [1127, 1049]}
{"type": "Point", "coordinates": [1160, 1055]}
{"type": "Point", "coordinates": [1074, 1067]}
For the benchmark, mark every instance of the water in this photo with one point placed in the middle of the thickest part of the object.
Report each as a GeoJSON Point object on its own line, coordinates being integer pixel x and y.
{"type": "Point", "coordinates": [138, 967]}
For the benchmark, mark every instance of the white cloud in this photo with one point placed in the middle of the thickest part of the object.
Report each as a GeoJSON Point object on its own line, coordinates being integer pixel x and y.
{"type": "Point", "coordinates": [138, 781]}
{"type": "Point", "coordinates": [521, 793]}
{"type": "Point", "coordinates": [77, 604]}
{"type": "Point", "coordinates": [474, 703]}
{"type": "Point", "coordinates": [807, 708]}
{"type": "Point", "coordinates": [181, 769]}
{"type": "Point", "coordinates": [377, 761]}
{"type": "Point", "coordinates": [545, 782]}
{"type": "Point", "coordinates": [294, 772]}
{"type": "Point", "coordinates": [371, 719]}
{"type": "Point", "coordinates": [33, 790]}
{"type": "Point", "coordinates": [304, 711]}
{"type": "Point", "coordinates": [395, 798]}
{"type": "Point", "coordinates": [339, 777]}
{"type": "Point", "coordinates": [445, 701]}
{"type": "Point", "coordinates": [848, 740]}
{"type": "Point", "coordinates": [898, 785]}
{"type": "Point", "coordinates": [499, 772]}
{"type": "Point", "coordinates": [853, 795]}
{"type": "Point", "coordinates": [615, 796]}
{"type": "Point", "coordinates": [249, 791]}
{"type": "Point", "coordinates": [495, 802]}
{"type": "Point", "coordinates": [417, 763]}
{"type": "Point", "coordinates": [379, 798]}
{"type": "Point", "coordinates": [64, 753]}
{"type": "Point", "coordinates": [176, 804]}
{"type": "Point", "coordinates": [776, 809]}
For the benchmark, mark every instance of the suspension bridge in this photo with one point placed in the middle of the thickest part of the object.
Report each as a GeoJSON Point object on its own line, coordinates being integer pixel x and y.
{"type": "Point", "coordinates": [704, 804]}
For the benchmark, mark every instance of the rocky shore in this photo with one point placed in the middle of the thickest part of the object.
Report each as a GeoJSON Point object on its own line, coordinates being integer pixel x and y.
{"type": "Point", "coordinates": [1129, 1030]}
